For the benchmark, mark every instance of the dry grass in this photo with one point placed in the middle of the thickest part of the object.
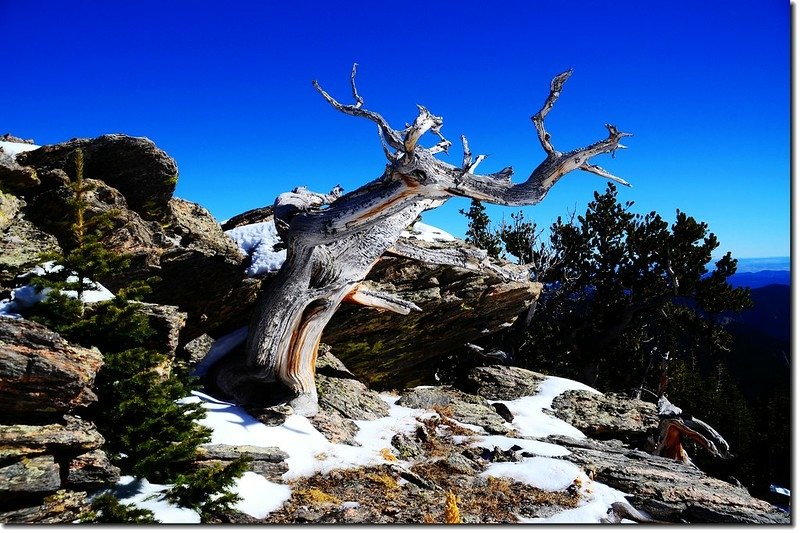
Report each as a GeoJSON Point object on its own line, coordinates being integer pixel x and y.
{"type": "Point", "coordinates": [451, 513]}
{"type": "Point", "coordinates": [387, 454]}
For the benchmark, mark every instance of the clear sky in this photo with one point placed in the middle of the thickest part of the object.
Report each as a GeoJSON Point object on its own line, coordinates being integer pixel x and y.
{"type": "Point", "coordinates": [225, 88]}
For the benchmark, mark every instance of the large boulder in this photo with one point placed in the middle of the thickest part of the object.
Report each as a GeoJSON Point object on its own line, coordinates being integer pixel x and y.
{"type": "Point", "coordinates": [503, 382]}
{"type": "Point", "coordinates": [175, 244]}
{"type": "Point", "coordinates": [142, 172]}
{"type": "Point", "coordinates": [458, 306]}
{"type": "Point", "coordinates": [41, 373]}
{"type": "Point", "coordinates": [608, 416]}
{"type": "Point", "coordinates": [668, 490]}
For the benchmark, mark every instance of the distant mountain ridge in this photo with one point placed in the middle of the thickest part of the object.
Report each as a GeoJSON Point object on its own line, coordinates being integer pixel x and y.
{"type": "Point", "coordinates": [756, 280]}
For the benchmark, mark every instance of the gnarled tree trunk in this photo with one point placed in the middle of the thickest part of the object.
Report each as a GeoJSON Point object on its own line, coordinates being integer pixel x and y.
{"type": "Point", "coordinates": [334, 240]}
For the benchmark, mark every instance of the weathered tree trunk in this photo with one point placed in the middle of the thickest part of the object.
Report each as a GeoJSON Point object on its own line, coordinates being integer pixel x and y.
{"type": "Point", "coordinates": [331, 249]}
{"type": "Point", "coordinates": [675, 425]}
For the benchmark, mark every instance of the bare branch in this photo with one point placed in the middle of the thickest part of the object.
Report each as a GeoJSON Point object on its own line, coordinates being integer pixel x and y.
{"type": "Point", "coordinates": [381, 300]}
{"type": "Point", "coordinates": [594, 169]}
{"type": "Point", "coordinates": [356, 97]}
{"type": "Point", "coordinates": [538, 119]}
{"type": "Point", "coordinates": [425, 121]}
{"type": "Point", "coordinates": [477, 162]}
{"type": "Point", "coordinates": [393, 137]}
{"type": "Point", "coordinates": [467, 160]}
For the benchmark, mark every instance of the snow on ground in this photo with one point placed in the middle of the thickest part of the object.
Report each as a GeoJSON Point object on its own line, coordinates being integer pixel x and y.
{"type": "Point", "coordinates": [428, 233]}
{"type": "Point", "coordinates": [13, 149]}
{"type": "Point", "coordinates": [28, 295]}
{"type": "Point", "coordinates": [310, 452]}
{"type": "Point", "coordinates": [146, 495]}
{"type": "Point", "coordinates": [258, 242]}
{"type": "Point", "coordinates": [529, 418]}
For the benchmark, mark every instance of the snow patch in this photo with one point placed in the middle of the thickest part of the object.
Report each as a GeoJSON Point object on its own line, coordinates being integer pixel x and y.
{"type": "Point", "coordinates": [426, 232]}
{"type": "Point", "coordinates": [29, 295]}
{"type": "Point", "coordinates": [259, 496]}
{"type": "Point", "coordinates": [146, 495]}
{"type": "Point", "coordinates": [258, 241]}
{"type": "Point", "coordinates": [532, 421]}
{"type": "Point", "coordinates": [544, 473]}
{"type": "Point", "coordinates": [12, 148]}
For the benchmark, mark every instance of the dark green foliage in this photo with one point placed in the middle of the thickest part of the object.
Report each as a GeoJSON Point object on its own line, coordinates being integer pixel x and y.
{"type": "Point", "coordinates": [207, 490]}
{"type": "Point", "coordinates": [147, 432]}
{"type": "Point", "coordinates": [106, 509]}
{"type": "Point", "coordinates": [628, 287]}
{"type": "Point", "coordinates": [519, 238]}
{"type": "Point", "coordinates": [478, 232]}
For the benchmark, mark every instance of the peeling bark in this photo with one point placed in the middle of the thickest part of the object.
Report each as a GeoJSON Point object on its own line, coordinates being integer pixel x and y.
{"type": "Point", "coordinates": [334, 240]}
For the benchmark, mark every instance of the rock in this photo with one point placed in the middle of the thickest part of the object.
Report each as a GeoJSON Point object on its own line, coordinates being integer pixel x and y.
{"type": "Point", "coordinates": [608, 416]}
{"type": "Point", "coordinates": [269, 461]}
{"type": "Point", "coordinates": [15, 177]}
{"type": "Point", "coordinates": [335, 427]}
{"type": "Point", "coordinates": [407, 448]}
{"type": "Point", "coordinates": [9, 207]}
{"type": "Point", "coordinates": [503, 382]}
{"type": "Point", "coordinates": [21, 247]}
{"type": "Point", "coordinates": [228, 452]}
{"type": "Point", "coordinates": [458, 306]}
{"type": "Point", "coordinates": [460, 406]}
{"type": "Point", "coordinates": [74, 437]}
{"type": "Point", "coordinates": [63, 507]}
{"type": "Point", "coordinates": [35, 475]}
{"type": "Point", "coordinates": [143, 173]}
{"type": "Point", "coordinates": [458, 464]}
{"type": "Point", "coordinates": [350, 398]}
{"type": "Point", "coordinates": [7, 137]}
{"type": "Point", "coordinates": [196, 349]}
{"type": "Point", "coordinates": [91, 470]}
{"type": "Point", "coordinates": [666, 489]}
{"type": "Point", "coordinates": [41, 373]}
{"type": "Point", "coordinates": [200, 269]}
{"type": "Point", "coordinates": [271, 415]}
{"type": "Point", "coordinates": [167, 321]}
{"type": "Point", "coordinates": [503, 410]}
{"type": "Point", "coordinates": [340, 392]}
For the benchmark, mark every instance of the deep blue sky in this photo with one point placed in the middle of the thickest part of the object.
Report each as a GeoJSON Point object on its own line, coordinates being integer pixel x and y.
{"type": "Point", "coordinates": [225, 88]}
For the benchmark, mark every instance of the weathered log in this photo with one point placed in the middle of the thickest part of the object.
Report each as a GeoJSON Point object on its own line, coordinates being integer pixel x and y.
{"type": "Point", "coordinates": [331, 249]}
{"type": "Point", "coordinates": [675, 425]}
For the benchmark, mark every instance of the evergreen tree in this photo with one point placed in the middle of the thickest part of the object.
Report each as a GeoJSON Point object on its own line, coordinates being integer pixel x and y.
{"type": "Point", "coordinates": [106, 509]}
{"type": "Point", "coordinates": [207, 490]}
{"type": "Point", "coordinates": [478, 232]}
{"type": "Point", "coordinates": [519, 238]}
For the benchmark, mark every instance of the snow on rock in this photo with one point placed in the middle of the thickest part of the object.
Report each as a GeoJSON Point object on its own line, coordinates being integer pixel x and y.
{"type": "Point", "coordinates": [258, 242]}
{"type": "Point", "coordinates": [12, 148]}
{"type": "Point", "coordinates": [428, 233]}
{"type": "Point", "coordinates": [532, 421]}
{"type": "Point", "coordinates": [544, 473]}
{"type": "Point", "coordinates": [310, 453]}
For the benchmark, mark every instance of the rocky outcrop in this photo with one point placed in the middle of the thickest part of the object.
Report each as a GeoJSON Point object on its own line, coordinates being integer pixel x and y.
{"type": "Point", "coordinates": [608, 416]}
{"type": "Point", "coordinates": [134, 166]}
{"type": "Point", "coordinates": [669, 490]}
{"type": "Point", "coordinates": [458, 306]}
{"type": "Point", "coordinates": [47, 455]}
{"type": "Point", "coordinates": [460, 406]}
{"type": "Point", "coordinates": [41, 373]}
{"type": "Point", "coordinates": [503, 382]}
{"type": "Point", "coordinates": [269, 462]}
{"type": "Point", "coordinates": [346, 395]}
{"type": "Point", "coordinates": [131, 181]}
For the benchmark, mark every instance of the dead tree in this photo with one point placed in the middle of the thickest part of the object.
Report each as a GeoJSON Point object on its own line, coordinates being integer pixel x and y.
{"type": "Point", "coordinates": [675, 424]}
{"type": "Point", "coordinates": [334, 240]}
